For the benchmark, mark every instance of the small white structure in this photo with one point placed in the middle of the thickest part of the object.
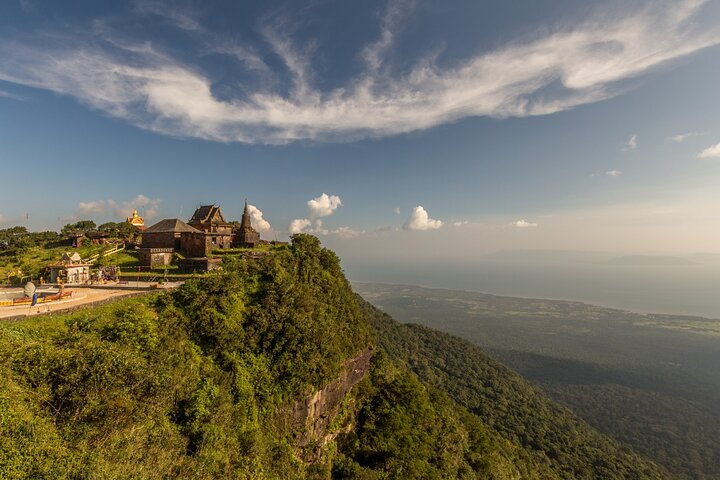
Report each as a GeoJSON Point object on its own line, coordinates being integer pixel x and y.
{"type": "Point", "coordinates": [70, 269]}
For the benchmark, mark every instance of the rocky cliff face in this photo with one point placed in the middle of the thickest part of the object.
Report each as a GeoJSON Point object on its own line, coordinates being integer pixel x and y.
{"type": "Point", "coordinates": [312, 416]}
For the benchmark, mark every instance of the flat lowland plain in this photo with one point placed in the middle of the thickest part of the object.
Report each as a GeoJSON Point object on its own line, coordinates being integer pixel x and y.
{"type": "Point", "coordinates": [650, 381]}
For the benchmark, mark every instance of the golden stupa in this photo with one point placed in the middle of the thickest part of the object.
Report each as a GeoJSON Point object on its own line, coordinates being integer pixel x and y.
{"type": "Point", "coordinates": [136, 220]}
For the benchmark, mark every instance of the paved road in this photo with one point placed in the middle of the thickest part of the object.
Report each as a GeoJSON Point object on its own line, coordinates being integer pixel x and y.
{"type": "Point", "coordinates": [81, 296]}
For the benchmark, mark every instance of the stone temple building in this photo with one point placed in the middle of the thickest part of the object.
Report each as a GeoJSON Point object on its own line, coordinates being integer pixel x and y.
{"type": "Point", "coordinates": [245, 235]}
{"type": "Point", "coordinates": [206, 231]}
{"type": "Point", "coordinates": [209, 219]}
{"type": "Point", "coordinates": [162, 239]}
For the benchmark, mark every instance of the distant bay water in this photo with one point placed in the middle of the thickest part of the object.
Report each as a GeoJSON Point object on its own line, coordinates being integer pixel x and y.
{"type": "Point", "coordinates": [683, 289]}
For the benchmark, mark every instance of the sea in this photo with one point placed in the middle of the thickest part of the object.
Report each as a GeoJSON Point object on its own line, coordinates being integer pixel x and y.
{"type": "Point", "coordinates": [683, 289]}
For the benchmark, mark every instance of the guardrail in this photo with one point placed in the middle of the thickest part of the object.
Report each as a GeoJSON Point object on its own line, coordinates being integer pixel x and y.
{"type": "Point", "coordinates": [105, 254]}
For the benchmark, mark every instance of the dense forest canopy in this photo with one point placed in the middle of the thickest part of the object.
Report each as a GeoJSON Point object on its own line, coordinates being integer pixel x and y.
{"type": "Point", "coordinates": [198, 383]}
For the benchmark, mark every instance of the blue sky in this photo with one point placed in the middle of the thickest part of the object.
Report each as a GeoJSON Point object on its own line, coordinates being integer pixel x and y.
{"type": "Point", "coordinates": [393, 126]}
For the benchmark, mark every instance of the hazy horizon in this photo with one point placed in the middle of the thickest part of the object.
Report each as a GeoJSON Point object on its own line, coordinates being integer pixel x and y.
{"type": "Point", "coordinates": [690, 289]}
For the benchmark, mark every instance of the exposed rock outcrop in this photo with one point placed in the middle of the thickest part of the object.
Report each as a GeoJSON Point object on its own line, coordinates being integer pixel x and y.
{"type": "Point", "coordinates": [313, 415]}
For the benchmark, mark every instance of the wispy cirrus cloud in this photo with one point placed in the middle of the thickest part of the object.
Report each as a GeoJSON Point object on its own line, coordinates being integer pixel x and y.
{"type": "Point", "coordinates": [182, 17]}
{"type": "Point", "coordinates": [682, 137]}
{"type": "Point", "coordinates": [5, 94]}
{"type": "Point", "coordinates": [570, 66]}
{"type": "Point", "coordinates": [631, 144]}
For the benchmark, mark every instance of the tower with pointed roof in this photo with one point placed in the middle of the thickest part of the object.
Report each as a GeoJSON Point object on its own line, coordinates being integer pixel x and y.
{"type": "Point", "coordinates": [246, 235]}
{"type": "Point", "coordinates": [136, 220]}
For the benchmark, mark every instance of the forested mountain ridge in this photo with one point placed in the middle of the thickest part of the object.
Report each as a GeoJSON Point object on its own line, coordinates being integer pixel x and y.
{"type": "Point", "coordinates": [207, 382]}
{"type": "Point", "coordinates": [649, 381]}
{"type": "Point", "coordinates": [506, 402]}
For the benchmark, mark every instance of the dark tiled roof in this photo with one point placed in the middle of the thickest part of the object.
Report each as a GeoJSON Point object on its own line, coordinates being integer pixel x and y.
{"type": "Point", "coordinates": [174, 225]}
{"type": "Point", "coordinates": [205, 213]}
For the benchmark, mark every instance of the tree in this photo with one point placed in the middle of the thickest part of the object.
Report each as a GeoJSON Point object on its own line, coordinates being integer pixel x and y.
{"type": "Point", "coordinates": [81, 226]}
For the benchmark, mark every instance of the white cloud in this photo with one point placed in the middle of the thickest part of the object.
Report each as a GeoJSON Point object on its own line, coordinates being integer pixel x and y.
{"type": "Point", "coordinates": [183, 19]}
{"type": "Point", "coordinates": [397, 211]}
{"type": "Point", "coordinates": [5, 94]}
{"type": "Point", "coordinates": [613, 173]}
{"type": "Point", "coordinates": [304, 225]}
{"type": "Point", "coordinates": [461, 223]}
{"type": "Point", "coordinates": [345, 232]}
{"type": "Point", "coordinates": [373, 54]}
{"type": "Point", "coordinates": [549, 72]}
{"type": "Point", "coordinates": [94, 207]}
{"type": "Point", "coordinates": [299, 225]}
{"type": "Point", "coordinates": [711, 152]}
{"type": "Point", "coordinates": [324, 205]}
{"type": "Point", "coordinates": [682, 137]}
{"type": "Point", "coordinates": [420, 220]}
{"type": "Point", "coordinates": [631, 143]}
{"type": "Point", "coordinates": [522, 223]}
{"type": "Point", "coordinates": [121, 210]}
{"type": "Point", "coordinates": [258, 221]}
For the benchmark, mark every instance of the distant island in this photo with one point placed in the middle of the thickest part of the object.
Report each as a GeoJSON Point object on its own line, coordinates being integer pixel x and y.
{"type": "Point", "coordinates": [650, 261]}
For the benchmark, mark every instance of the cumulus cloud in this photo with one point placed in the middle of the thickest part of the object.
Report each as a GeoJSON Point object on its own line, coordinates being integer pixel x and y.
{"type": "Point", "coordinates": [420, 220]}
{"type": "Point", "coordinates": [303, 225]}
{"type": "Point", "coordinates": [397, 211]}
{"type": "Point", "coordinates": [554, 70]}
{"type": "Point", "coordinates": [613, 173]}
{"type": "Point", "coordinates": [299, 225]}
{"type": "Point", "coordinates": [121, 210]}
{"type": "Point", "coordinates": [258, 221]}
{"type": "Point", "coordinates": [461, 223]}
{"type": "Point", "coordinates": [324, 205]}
{"type": "Point", "coordinates": [711, 152]}
{"type": "Point", "coordinates": [522, 223]}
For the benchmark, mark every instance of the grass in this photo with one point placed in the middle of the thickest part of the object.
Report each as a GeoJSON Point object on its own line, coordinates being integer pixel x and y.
{"type": "Point", "coordinates": [17, 266]}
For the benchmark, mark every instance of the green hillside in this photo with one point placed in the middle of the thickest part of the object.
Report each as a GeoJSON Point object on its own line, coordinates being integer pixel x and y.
{"type": "Point", "coordinates": [649, 381]}
{"type": "Point", "coordinates": [253, 373]}
{"type": "Point", "coordinates": [506, 402]}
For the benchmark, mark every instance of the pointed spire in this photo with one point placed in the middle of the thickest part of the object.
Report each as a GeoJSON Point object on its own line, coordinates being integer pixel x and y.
{"type": "Point", "coordinates": [245, 222]}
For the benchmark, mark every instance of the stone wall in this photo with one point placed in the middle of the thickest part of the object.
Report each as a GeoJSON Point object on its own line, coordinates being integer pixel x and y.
{"type": "Point", "coordinates": [194, 245]}
{"type": "Point", "coordinates": [197, 245]}
{"type": "Point", "coordinates": [155, 257]}
{"type": "Point", "coordinates": [161, 240]}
